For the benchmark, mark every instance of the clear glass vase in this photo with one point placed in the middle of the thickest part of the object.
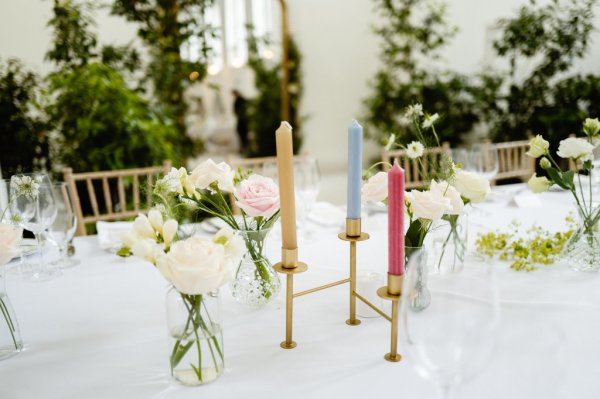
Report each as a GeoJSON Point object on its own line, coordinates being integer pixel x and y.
{"type": "Point", "coordinates": [447, 243]}
{"type": "Point", "coordinates": [582, 250]}
{"type": "Point", "coordinates": [10, 335]}
{"type": "Point", "coordinates": [418, 256]}
{"type": "Point", "coordinates": [196, 336]}
{"type": "Point", "coordinates": [256, 282]}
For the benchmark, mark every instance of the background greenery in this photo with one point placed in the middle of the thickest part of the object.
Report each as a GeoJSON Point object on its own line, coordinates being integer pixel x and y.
{"type": "Point", "coordinates": [546, 99]}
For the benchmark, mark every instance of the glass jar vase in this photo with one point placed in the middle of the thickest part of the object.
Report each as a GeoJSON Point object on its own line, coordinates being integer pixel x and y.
{"type": "Point", "coordinates": [447, 243]}
{"type": "Point", "coordinates": [196, 335]}
{"type": "Point", "coordinates": [10, 335]}
{"type": "Point", "coordinates": [256, 282]}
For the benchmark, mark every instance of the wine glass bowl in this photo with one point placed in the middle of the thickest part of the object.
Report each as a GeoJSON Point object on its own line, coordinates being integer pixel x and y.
{"type": "Point", "coordinates": [453, 338]}
{"type": "Point", "coordinates": [62, 230]}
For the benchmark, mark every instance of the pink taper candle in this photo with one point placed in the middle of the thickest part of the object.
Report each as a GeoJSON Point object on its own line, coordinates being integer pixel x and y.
{"type": "Point", "coordinates": [396, 220]}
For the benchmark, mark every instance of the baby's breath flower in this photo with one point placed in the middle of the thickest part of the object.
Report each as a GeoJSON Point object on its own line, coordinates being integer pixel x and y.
{"type": "Point", "coordinates": [25, 186]}
{"type": "Point", "coordinates": [414, 150]}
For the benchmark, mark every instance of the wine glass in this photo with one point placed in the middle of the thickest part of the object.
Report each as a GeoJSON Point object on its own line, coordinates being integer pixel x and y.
{"type": "Point", "coordinates": [32, 202]}
{"type": "Point", "coordinates": [484, 160]}
{"type": "Point", "coordinates": [62, 230]}
{"type": "Point", "coordinates": [452, 338]}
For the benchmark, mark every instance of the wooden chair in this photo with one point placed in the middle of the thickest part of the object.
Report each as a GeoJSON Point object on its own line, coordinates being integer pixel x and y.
{"type": "Point", "coordinates": [416, 170]}
{"type": "Point", "coordinates": [245, 164]}
{"type": "Point", "coordinates": [113, 188]}
{"type": "Point", "coordinates": [513, 162]}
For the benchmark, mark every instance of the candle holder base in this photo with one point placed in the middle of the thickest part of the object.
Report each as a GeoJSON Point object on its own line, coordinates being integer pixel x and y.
{"type": "Point", "coordinates": [392, 358]}
{"type": "Point", "coordinates": [288, 345]}
{"type": "Point", "coordinates": [354, 322]}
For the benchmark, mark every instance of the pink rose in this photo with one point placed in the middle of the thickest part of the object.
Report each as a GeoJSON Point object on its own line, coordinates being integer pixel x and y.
{"type": "Point", "coordinates": [257, 196]}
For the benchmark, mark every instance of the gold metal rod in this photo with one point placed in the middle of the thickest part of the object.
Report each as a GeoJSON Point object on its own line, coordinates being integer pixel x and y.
{"type": "Point", "coordinates": [393, 356]}
{"type": "Point", "coordinates": [352, 321]}
{"type": "Point", "coordinates": [375, 308]}
{"type": "Point", "coordinates": [301, 293]}
{"type": "Point", "coordinates": [289, 304]}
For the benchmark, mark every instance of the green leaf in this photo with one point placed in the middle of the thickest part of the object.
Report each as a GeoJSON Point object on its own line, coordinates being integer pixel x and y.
{"type": "Point", "coordinates": [568, 178]}
{"type": "Point", "coordinates": [556, 177]}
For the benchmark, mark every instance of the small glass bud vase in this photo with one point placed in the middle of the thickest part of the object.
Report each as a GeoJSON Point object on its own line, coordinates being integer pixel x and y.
{"type": "Point", "coordinates": [196, 336]}
{"type": "Point", "coordinates": [256, 282]}
{"type": "Point", "coordinates": [10, 335]}
{"type": "Point", "coordinates": [582, 250]}
{"type": "Point", "coordinates": [447, 243]}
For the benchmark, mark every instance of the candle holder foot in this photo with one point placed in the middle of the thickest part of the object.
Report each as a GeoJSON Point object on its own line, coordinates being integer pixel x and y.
{"type": "Point", "coordinates": [392, 358]}
{"type": "Point", "coordinates": [354, 322]}
{"type": "Point", "coordinates": [288, 345]}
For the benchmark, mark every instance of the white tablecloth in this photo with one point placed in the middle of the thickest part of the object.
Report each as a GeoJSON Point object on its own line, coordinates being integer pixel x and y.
{"type": "Point", "coordinates": [99, 331]}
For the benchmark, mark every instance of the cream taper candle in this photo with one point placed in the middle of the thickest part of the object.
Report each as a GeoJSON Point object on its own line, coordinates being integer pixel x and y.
{"type": "Point", "coordinates": [285, 170]}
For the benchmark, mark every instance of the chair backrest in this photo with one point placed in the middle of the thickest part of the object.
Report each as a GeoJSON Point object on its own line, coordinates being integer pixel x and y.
{"type": "Point", "coordinates": [118, 191]}
{"type": "Point", "coordinates": [254, 164]}
{"type": "Point", "coordinates": [513, 162]}
{"type": "Point", "coordinates": [416, 171]}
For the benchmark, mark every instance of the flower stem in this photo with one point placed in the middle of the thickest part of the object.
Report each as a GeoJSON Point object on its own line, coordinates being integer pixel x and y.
{"type": "Point", "coordinates": [9, 322]}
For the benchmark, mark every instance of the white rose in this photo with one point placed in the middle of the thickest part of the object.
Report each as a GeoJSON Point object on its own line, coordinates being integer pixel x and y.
{"type": "Point", "coordinates": [10, 242]}
{"type": "Point", "coordinates": [472, 186]}
{"type": "Point", "coordinates": [538, 147]}
{"type": "Point", "coordinates": [197, 266]}
{"type": "Point", "coordinates": [451, 193]}
{"type": "Point", "coordinates": [376, 188]}
{"type": "Point", "coordinates": [574, 148]}
{"type": "Point", "coordinates": [209, 172]}
{"type": "Point", "coordinates": [143, 227]}
{"type": "Point", "coordinates": [430, 205]}
{"type": "Point", "coordinates": [539, 184]}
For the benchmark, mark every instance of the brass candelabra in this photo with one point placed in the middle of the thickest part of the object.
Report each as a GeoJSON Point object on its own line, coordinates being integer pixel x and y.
{"type": "Point", "coordinates": [290, 266]}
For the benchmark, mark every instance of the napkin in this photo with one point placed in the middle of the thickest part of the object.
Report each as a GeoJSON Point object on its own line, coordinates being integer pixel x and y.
{"type": "Point", "coordinates": [109, 234]}
{"type": "Point", "coordinates": [327, 215]}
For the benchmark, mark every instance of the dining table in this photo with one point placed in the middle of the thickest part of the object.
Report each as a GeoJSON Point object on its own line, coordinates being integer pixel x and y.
{"type": "Point", "coordinates": [99, 330]}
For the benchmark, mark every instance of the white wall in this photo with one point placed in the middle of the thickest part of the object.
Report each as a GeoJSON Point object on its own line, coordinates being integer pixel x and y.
{"type": "Point", "coordinates": [340, 54]}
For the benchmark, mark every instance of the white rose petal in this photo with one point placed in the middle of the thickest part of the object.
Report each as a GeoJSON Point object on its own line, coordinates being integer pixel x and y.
{"type": "Point", "coordinates": [445, 189]}
{"type": "Point", "coordinates": [376, 188]}
{"type": "Point", "coordinates": [429, 204]}
{"type": "Point", "coordinates": [574, 148]}
{"type": "Point", "coordinates": [472, 186]}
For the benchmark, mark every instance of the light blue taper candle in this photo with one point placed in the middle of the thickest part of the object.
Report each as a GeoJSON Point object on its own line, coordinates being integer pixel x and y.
{"type": "Point", "coordinates": [355, 134]}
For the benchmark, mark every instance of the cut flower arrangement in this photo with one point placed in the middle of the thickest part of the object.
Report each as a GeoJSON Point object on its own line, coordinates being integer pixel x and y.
{"type": "Point", "coordinates": [196, 267]}
{"type": "Point", "coordinates": [583, 248]}
{"type": "Point", "coordinates": [448, 191]}
{"type": "Point", "coordinates": [209, 188]}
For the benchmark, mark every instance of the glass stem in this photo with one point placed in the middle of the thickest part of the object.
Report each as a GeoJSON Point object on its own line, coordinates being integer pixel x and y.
{"type": "Point", "coordinates": [40, 243]}
{"type": "Point", "coordinates": [446, 391]}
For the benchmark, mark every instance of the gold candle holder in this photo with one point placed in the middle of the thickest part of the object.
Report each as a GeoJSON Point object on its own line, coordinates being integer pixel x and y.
{"type": "Point", "coordinates": [392, 292]}
{"type": "Point", "coordinates": [353, 235]}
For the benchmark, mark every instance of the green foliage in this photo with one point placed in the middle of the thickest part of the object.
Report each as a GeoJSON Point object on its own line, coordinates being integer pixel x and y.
{"type": "Point", "coordinates": [165, 26]}
{"type": "Point", "coordinates": [264, 111]}
{"type": "Point", "coordinates": [413, 33]}
{"type": "Point", "coordinates": [553, 35]}
{"type": "Point", "coordinates": [537, 247]}
{"type": "Point", "coordinates": [103, 124]}
{"type": "Point", "coordinates": [23, 139]}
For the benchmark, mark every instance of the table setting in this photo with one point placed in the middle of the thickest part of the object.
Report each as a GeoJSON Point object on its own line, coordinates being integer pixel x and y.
{"type": "Point", "coordinates": [428, 311]}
